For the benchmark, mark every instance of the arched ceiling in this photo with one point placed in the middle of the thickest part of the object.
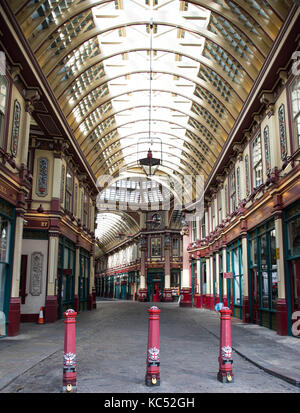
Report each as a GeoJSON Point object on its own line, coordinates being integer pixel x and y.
{"type": "Point", "coordinates": [204, 58]}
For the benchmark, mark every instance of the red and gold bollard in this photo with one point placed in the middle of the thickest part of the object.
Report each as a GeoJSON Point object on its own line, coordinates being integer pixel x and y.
{"type": "Point", "coordinates": [225, 374]}
{"type": "Point", "coordinates": [153, 358]}
{"type": "Point", "coordinates": [69, 374]}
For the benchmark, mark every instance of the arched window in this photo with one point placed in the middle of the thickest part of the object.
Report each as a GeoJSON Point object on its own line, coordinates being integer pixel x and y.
{"type": "Point", "coordinates": [295, 98]}
{"type": "Point", "coordinates": [3, 106]}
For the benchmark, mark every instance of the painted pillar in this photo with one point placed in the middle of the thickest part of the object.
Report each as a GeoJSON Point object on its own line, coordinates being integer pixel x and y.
{"type": "Point", "coordinates": [143, 292]}
{"type": "Point", "coordinates": [14, 313]}
{"type": "Point", "coordinates": [167, 289]}
{"type": "Point", "coordinates": [281, 307]}
{"type": "Point", "coordinates": [186, 287]}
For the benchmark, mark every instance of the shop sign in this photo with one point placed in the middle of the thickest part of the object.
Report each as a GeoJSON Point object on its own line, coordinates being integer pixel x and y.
{"type": "Point", "coordinates": [227, 274]}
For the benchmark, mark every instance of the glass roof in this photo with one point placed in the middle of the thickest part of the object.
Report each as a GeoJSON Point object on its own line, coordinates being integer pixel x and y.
{"type": "Point", "coordinates": [203, 58]}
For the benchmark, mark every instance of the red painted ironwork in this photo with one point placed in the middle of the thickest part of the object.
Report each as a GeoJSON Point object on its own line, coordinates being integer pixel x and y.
{"type": "Point", "coordinates": [153, 355]}
{"type": "Point", "coordinates": [225, 374]}
{"type": "Point", "coordinates": [69, 371]}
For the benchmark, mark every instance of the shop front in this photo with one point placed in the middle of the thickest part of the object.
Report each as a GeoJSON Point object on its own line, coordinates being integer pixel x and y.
{"type": "Point", "coordinates": [235, 281]}
{"type": "Point", "coordinates": [263, 281]}
{"type": "Point", "coordinates": [7, 219]}
{"type": "Point", "coordinates": [291, 225]}
{"type": "Point", "coordinates": [155, 284]}
{"type": "Point", "coordinates": [66, 275]}
{"type": "Point", "coordinates": [84, 279]}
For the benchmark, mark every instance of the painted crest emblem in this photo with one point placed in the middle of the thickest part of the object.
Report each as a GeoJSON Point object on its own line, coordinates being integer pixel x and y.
{"type": "Point", "coordinates": [69, 359]}
{"type": "Point", "coordinates": [227, 352]}
{"type": "Point", "coordinates": [153, 354]}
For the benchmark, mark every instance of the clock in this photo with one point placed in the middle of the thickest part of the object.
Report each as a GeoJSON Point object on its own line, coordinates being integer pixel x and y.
{"type": "Point", "coordinates": [154, 221]}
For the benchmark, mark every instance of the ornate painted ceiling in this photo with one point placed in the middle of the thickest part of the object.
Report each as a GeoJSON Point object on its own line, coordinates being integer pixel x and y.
{"type": "Point", "coordinates": [123, 70]}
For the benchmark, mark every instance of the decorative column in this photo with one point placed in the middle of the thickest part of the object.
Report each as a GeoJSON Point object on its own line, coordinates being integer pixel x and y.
{"type": "Point", "coordinates": [217, 289]}
{"type": "Point", "coordinates": [143, 291]}
{"type": "Point", "coordinates": [14, 313]}
{"type": "Point", "coordinates": [281, 307]}
{"type": "Point", "coordinates": [167, 288]}
{"type": "Point", "coordinates": [186, 287]}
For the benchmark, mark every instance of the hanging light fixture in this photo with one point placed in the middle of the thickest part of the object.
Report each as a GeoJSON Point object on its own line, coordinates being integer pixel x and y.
{"type": "Point", "coordinates": [150, 163]}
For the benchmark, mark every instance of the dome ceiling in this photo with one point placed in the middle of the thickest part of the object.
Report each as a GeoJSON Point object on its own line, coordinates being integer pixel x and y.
{"type": "Point", "coordinates": [98, 56]}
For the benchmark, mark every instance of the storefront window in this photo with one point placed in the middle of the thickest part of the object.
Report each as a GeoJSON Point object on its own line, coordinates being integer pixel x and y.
{"type": "Point", "coordinates": [236, 266]}
{"type": "Point", "coordinates": [263, 281]}
{"type": "Point", "coordinates": [295, 98]}
{"type": "Point", "coordinates": [4, 260]}
{"type": "Point", "coordinates": [294, 237]}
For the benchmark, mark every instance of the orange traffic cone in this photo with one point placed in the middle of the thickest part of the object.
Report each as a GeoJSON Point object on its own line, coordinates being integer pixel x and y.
{"type": "Point", "coordinates": [41, 316]}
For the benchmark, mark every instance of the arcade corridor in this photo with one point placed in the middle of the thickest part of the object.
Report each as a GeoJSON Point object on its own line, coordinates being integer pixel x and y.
{"type": "Point", "coordinates": [111, 350]}
{"type": "Point", "coordinates": [149, 153]}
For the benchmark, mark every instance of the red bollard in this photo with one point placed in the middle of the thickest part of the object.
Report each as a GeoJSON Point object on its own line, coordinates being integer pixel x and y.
{"type": "Point", "coordinates": [153, 358]}
{"type": "Point", "coordinates": [69, 375]}
{"type": "Point", "coordinates": [225, 374]}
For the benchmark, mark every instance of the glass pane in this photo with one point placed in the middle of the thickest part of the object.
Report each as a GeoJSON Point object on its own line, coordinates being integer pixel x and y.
{"type": "Point", "coordinates": [237, 295]}
{"type": "Point", "coordinates": [273, 250]}
{"type": "Point", "coordinates": [264, 290]}
{"type": "Point", "coordinates": [4, 239]}
{"type": "Point", "coordinates": [294, 237]}
{"type": "Point", "coordinates": [274, 289]}
{"type": "Point", "coordinates": [2, 296]}
{"type": "Point", "coordinates": [263, 252]}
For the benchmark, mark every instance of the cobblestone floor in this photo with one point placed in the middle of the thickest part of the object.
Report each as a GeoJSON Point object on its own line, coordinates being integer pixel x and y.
{"type": "Point", "coordinates": [111, 352]}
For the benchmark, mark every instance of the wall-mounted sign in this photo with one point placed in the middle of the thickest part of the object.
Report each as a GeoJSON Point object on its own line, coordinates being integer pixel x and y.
{"type": "Point", "coordinates": [227, 274]}
{"type": "Point", "coordinates": [36, 273]}
{"type": "Point", "coordinates": [42, 178]}
{"type": "Point", "coordinates": [15, 128]}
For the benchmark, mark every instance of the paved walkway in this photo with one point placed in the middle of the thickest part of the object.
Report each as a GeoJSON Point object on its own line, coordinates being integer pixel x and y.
{"type": "Point", "coordinates": [111, 352]}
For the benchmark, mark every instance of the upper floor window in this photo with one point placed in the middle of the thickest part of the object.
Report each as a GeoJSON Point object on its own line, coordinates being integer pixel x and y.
{"type": "Point", "coordinates": [194, 229]}
{"type": "Point", "coordinates": [232, 188]}
{"type": "Point", "coordinates": [220, 206]}
{"type": "Point", "coordinates": [257, 161]}
{"type": "Point", "coordinates": [214, 213]}
{"type": "Point", "coordinates": [85, 209]}
{"type": "Point", "coordinates": [247, 175]}
{"type": "Point", "coordinates": [155, 247]}
{"type": "Point", "coordinates": [267, 148]}
{"type": "Point", "coordinates": [175, 245]}
{"type": "Point", "coordinates": [3, 105]}
{"type": "Point", "coordinates": [295, 98]}
{"type": "Point", "coordinates": [69, 191]}
{"type": "Point", "coordinates": [203, 232]}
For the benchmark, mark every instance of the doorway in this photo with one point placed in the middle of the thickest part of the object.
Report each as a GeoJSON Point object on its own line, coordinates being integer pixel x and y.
{"type": "Point", "coordinates": [156, 292]}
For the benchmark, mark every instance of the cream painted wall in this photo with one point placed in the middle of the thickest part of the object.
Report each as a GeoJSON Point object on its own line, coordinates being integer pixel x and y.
{"type": "Point", "coordinates": [33, 303]}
